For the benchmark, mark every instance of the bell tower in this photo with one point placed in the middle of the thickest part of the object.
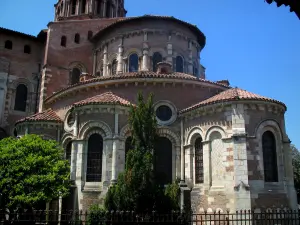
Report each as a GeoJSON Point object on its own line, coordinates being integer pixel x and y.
{"type": "Point", "coordinates": [87, 9]}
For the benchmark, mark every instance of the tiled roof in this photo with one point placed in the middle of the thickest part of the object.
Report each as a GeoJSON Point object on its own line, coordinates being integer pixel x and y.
{"type": "Point", "coordinates": [106, 98]}
{"type": "Point", "coordinates": [49, 115]}
{"type": "Point", "coordinates": [201, 37]}
{"type": "Point", "coordinates": [13, 32]}
{"type": "Point", "coordinates": [140, 74]}
{"type": "Point", "coordinates": [233, 94]}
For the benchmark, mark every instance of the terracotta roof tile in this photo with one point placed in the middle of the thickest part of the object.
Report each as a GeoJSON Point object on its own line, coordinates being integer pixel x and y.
{"type": "Point", "coordinates": [140, 74]}
{"type": "Point", "coordinates": [49, 115]}
{"type": "Point", "coordinates": [105, 98]}
{"type": "Point", "coordinates": [233, 94]}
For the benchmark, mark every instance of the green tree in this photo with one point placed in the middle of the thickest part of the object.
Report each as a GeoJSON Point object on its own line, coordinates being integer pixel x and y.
{"type": "Point", "coordinates": [32, 171]}
{"type": "Point", "coordinates": [296, 165]}
{"type": "Point", "coordinates": [136, 188]}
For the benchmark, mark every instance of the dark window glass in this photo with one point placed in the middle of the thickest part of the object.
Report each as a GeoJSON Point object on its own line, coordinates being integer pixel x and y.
{"type": "Point", "coordinates": [163, 160]}
{"type": "Point", "coordinates": [195, 71]}
{"type": "Point", "coordinates": [75, 76]}
{"type": "Point", "coordinates": [77, 38]}
{"type": "Point", "coordinates": [68, 152]}
{"type": "Point", "coordinates": [114, 67]}
{"type": "Point", "coordinates": [99, 7]}
{"type": "Point", "coordinates": [73, 7]}
{"type": "Point", "coordinates": [164, 113]}
{"type": "Point", "coordinates": [21, 98]}
{"type": "Point", "coordinates": [270, 157]}
{"type": "Point", "coordinates": [8, 44]}
{"type": "Point", "coordinates": [2, 133]}
{"type": "Point", "coordinates": [83, 6]}
{"type": "Point", "coordinates": [108, 8]}
{"type": "Point", "coordinates": [90, 34]}
{"type": "Point", "coordinates": [157, 58]}
{"type": "Point", "coordinates": [94, 158]}
{"type": "Point", "coordinates": [198, 161]}
{"type": "Point", "coordinates": [63, 41]}
{"type": "Point", "coordinates": [27, 49]}
{"type": "Point", "coordinates": [179, 64]}
{"type": "Point", "coordinates": [133, 63]}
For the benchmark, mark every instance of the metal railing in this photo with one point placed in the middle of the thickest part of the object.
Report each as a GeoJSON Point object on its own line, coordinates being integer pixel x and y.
{"type": "Point", "coordinates": [245, 217]}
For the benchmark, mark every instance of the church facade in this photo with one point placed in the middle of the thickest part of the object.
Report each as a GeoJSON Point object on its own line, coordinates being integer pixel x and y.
{"type": "Point", "coordinates": [79, 77]}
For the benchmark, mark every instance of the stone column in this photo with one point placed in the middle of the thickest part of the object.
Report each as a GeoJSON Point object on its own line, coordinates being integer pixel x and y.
{"type": "Point", "coordinates": [145, 62]}
{"type": "Point", "coordinates": [92, 7]}
{"type": "Point", "coordinates": [206, 164]}
{"type": "Point", "coordinates": [120, 58]}
{"type": "Point", "coordinates": [105, 69]}
{"type": "Point", "coordinates": [104, 8]}
{"type": "Point", "coordinates": [189, 160]}
{"type": "Point", "coordinates": [241, 185]}
{"type": "Point", "coordinates": [94, 62]}
{"type": "Point", "coordinates": [170, 50]}
{"type": "Point", "coordinates": [182, 167]}
{"type": "Point", "coordinates": [79, 148]}
{"type": "Point", "coordinates": [73, 161]}
{"type": "Point", "coordinates": [190, 60]}
{"type": "Point", "coordinates": [114, 168]}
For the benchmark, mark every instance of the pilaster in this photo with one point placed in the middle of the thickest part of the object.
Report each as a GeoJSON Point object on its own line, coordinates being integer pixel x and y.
{"type": "Point", "coordinates": [241, 184]}
{"type": "Point", "coordinates": [73, 162]}
{"type": "Point", "coordinates": [94, 62]}
{"type": "Point", "coordinates": [120, 58]}
{"type": "Point", "coordinates": [145, 62]}
{"type": "Point", "coordinates": [169, 50]}
{"type": "Point", "coordinates": [104, 8]}
{"type": "Point", "coordinates": [105, 61]}
{"type": "Point", "coordinates": [114, 168]}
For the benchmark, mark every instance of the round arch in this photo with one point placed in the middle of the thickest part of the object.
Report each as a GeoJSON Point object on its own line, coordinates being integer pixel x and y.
{"type": "Point", "coordinates": [92, 127]}
{"type": "Point", "coordinates": [213, 129]}
{"type": "Point", "coordinates": [271, 125]}
{"type": "Point", "coordinates": [165, 132]}
{"type": "Point", "coordinates": [193, 134]}
{"type": "Point", "coordinates": [125, 132]}
{"type": "Point", "coordinates": [132, 51]}
{"type": "Point", "coordinates": [65, 139]}
{"type": "Point", "coordinates": [78, 65]}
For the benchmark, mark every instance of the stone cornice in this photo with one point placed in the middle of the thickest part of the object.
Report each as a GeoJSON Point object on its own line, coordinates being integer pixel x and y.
{"type": "Point", "coordinates": [102, 108]}
{"type": "Point", "coordinates": [256, 105]}
{"type": "Point", "coordinates": [143, 81]}
{"type": "Point", "coordinates": [141, 32]}
{"type": "Point", "coordinates": [39, 125]}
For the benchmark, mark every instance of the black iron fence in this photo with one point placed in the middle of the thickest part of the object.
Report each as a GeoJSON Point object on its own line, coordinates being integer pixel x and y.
{"type": "Point", "coordinates": [275, 217]}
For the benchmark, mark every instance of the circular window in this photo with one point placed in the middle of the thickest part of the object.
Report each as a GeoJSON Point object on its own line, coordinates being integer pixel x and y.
{"type": "Point", "coordinates": [164, 113]}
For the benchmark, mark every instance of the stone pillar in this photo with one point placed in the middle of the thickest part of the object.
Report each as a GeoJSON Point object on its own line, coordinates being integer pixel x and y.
{"type": "Point", "coordinates": [190, 60]}
{"type": "Point", "coordinates": [120, 58]}
{"type": "Point", "coordinates": [80, 148]}
{"type": "Point", "coordinates": [94, 62]}
{"type": "Point", "coordinates": [117, 9]}
{"type": "Point", "coordinates": [145, 62]}
{"type": "Point", "coordinates": [182, 167]}
{"type": "Point", "coordinates": [104, 8]}
{"type": "Point", "coordinates": [289, 175]}
{"type": "Point", "coordinates": [189, 161]}
{"type": "Point", "coordinates": [206, 164]}
{"type": "Point", "coordinates": [92, 7]}
{"type": "Point", "coordinates": [73, 162]}
{"type": "Point", "coordinates": [105, 62]}
{"type": "Point", "coordinates": [170, 51]}
{"type": "Point", "coordinates": [114, 168]}
{"type": "Point", "coordinates": [241, 185]}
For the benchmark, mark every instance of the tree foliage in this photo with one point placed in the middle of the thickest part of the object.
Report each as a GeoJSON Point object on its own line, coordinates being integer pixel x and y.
{"type": "Point", "coordinates": [296, 165]}
{"type": "Point", "coordinates": [32, 171]}
{"type": "Point", "coordinates": [136, 188]}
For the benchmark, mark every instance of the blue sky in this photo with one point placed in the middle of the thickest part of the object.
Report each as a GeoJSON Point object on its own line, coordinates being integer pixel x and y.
{"type": "Point", "coordinates": [253, 44]}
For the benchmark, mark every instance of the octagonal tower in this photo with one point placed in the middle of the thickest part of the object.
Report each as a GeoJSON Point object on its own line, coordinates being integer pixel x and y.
{"type": "Point", "coordinates": [84, 9]}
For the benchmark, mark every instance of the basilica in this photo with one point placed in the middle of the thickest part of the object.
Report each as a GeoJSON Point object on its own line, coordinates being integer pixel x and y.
{"type": "Point", "coordinates": [75, 81]}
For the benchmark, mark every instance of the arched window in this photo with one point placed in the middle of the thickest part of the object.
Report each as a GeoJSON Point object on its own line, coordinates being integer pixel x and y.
{"type": "Point", "coordinates": [63, 41]}
{"type": "Point", "coordinates": [94, 158]}
{"type": "Point", "coordinates": [77, 38]}
{"type": "Point", "coordinates": [21, 98]}
{"type": "Point", "coordinates": [68, 151]}
{"type": "Point", "coordinates": [270, 157]}
{"type": "Point", "coordinates": [114, 67]}
{"type": "Point", "coordinates": [2, 133]}
{"type": "Point", "coordinates": [133, 62]}
{"type": "Point", "coordinates": [75, 77]}
{"type": "Point", "coordinates": [156, 58]}
{"type": "Point", "coordinates": [199, 161]}
{"type": "Point", "coordinates": [195, 70]}
{"type": "Point", "coordinates": [99, 7]}
{"type": "Point", "coordinates": [179, 64]}
{"type": "Point", "coordinates": [27, 49]}
{"type": "Point", "coordinates": [90, 34]}
{"type": "Point", "coordinates": [8, 44]}
{"type": "Point", "coordinates": [73, 7]}
{"type": "Point", "coordinates": [163, 160]}
{"type": "Point", "coordinates": [83, 6]}
{"type": "Point", "coordinates": [108, 8]}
